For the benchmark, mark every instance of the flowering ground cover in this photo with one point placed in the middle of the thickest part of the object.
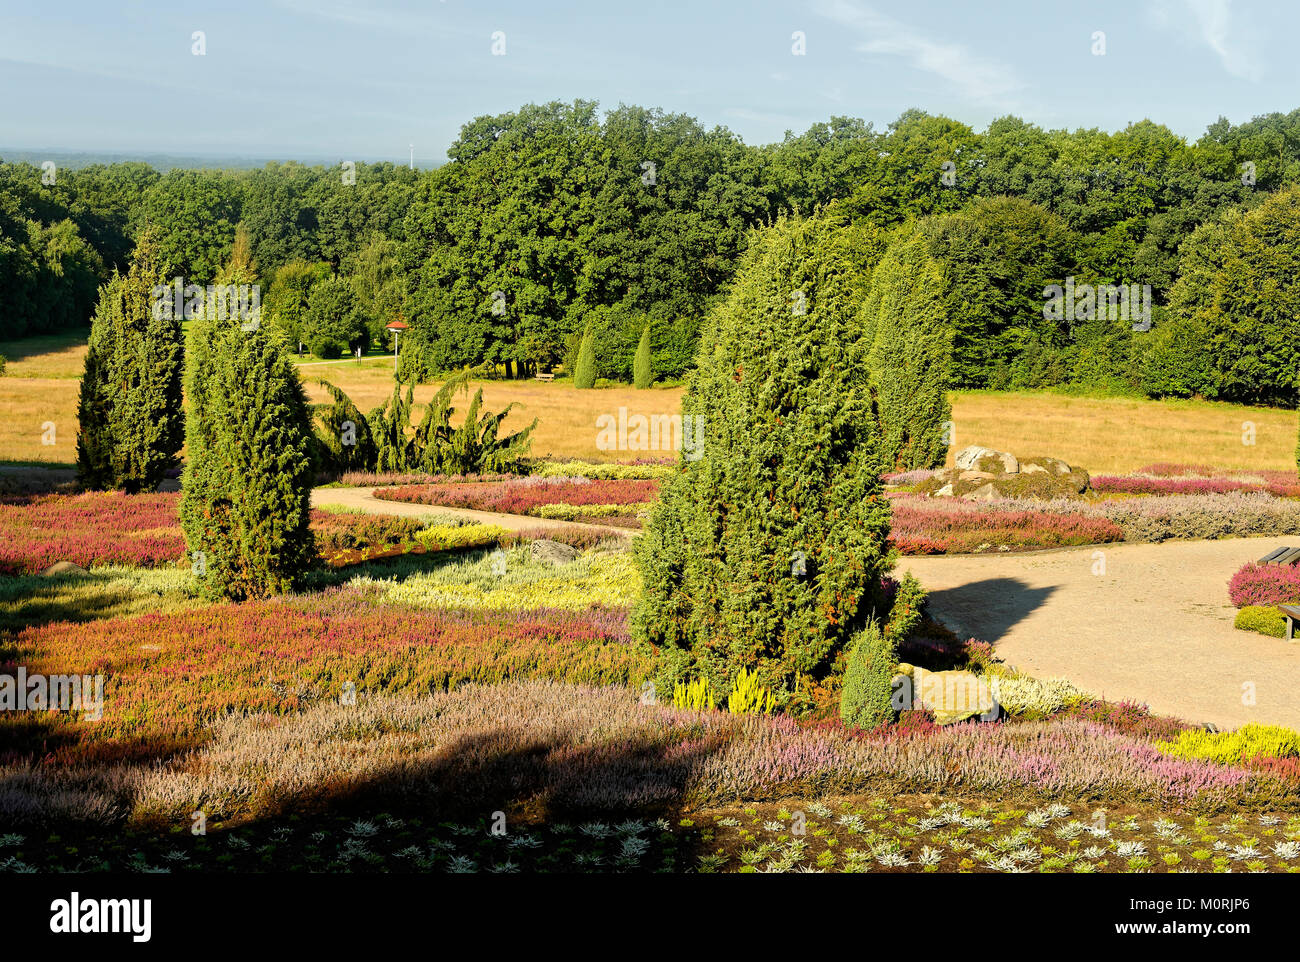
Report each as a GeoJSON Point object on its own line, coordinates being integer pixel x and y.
{"type": "Point", "coordinates": [924, 525]}
{"type": "Point", "coordinates": [525, 495]}
{"type": "Point", "coordinates": [1264, 477]}
{"type": "Point", "coordinates": [561, 749]}
{"type": "Point", "coordinates": [105, 592]}
{"type": "Point", "coordinates": [143, 530]}
{"type": "Point", "coordinates": [659, 469]}
{"type": "Point", "coordinates": [1279, 485]}
{"type": "Point", "coordinates": [1256, 584]}
{"type": "Point", "coordinates": [510, 579]}
{"type": "Point", "coordinates": [87, 529]}
{"type": "Point", "coordinates": [1238, 514]}
{"type": "Point", "coordinates": [170, 676]}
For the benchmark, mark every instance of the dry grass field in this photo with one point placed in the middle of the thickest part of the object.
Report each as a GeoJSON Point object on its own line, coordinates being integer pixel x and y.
{"type": "Point", "coordinates": [1112, 435]}
{"type": "Point", "coordinates": [26, 403]}
{"type": "Point", "coordinates": [1101, 434]}
{"type": "Point", "coordinates": [566, 417]}
{"type": "Point", "coordinates": [51, 356]}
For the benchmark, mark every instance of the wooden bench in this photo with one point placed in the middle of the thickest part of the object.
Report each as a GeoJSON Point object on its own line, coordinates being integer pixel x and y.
{"type": "Point", "coordinates": [1292, 615]}
{"type": "Point", "coordinates": [543, 377]}
{"type": "Point", "coordinates": [1281, 556]}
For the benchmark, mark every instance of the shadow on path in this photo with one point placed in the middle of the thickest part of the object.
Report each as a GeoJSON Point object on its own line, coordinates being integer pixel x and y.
{"type": "Point", "coordinates": [986, 609]}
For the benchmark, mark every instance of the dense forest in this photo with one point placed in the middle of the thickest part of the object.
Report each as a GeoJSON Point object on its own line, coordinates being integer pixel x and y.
{"type": "Point", "coordinates": [556, 222]}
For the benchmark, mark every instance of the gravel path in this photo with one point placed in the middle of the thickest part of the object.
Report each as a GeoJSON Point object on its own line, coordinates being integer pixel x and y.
{"type": "Point", "coordinates": [1155, 626]}
{"type": "Point", "coordinates": [363, 499]}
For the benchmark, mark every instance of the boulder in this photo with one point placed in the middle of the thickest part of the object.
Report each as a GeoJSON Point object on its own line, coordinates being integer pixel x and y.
{"type": "Point", "coordinates": [169, 484]}
{"type": "Point", "coordinates": [952, 696]}
{"type": "Point", "coordinates": [983, 474]}
{"type": "Point", "coordinates": [969, 457]}
{"type": "Point", "coordinates": [1009, 463]}
{"type": "Point", "coordinates": [63, 568]}
{"type": "Point", "coordinates": [552, 552]}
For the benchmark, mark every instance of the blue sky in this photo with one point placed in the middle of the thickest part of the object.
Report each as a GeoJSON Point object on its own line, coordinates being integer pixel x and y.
{"type": "Point", "coordinates": [363, 80]}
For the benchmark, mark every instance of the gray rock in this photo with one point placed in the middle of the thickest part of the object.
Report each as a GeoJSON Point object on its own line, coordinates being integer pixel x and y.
{"type": "Point", "coordinates": [169, 484]}
{"type": "Point", "coordinates": [552, 552]}
{"type": "Point", "coordinates": [969, 457]}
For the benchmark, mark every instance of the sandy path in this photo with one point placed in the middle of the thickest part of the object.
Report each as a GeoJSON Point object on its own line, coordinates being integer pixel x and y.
{"type": "Point", "coordinates": [363, 499]}
{"type": "Point", "coordinates": [1155, 627]}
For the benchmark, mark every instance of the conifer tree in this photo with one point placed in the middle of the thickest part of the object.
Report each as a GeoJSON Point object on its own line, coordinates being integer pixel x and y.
{"type": "Point", "coordinates": [910, 356]}
{"type": "Point", "coordinates": [767, 551]}
{"type": "Point", "coordinates": [245, 507]}
{"type": "Point", "coordinates": [584, 372]}
{"type": "Point", "coordinates": [642, 377]}
{"type": "Point", "coordinates": [129, 409]}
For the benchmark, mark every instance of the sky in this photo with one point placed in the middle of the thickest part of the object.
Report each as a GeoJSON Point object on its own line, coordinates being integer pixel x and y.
{"type": "Point", "coordinates": [346, 79]}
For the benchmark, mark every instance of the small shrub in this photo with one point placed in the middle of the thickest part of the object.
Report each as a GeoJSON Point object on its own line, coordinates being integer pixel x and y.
{"type": "Point", "coordinates": [446, 537]}
{"type": "Point", "coordinates": [694, 695]}
{"type": "Point", "coordinates": [866, 698]}
{"type": "Point", "coordinates": [1029, 696]}
{"type": "Point", "coordinates": [344, 531]}
{"type": "Point", "coordinates": [1263, 619]}
{"type": "Point", "coordinates": [572, 535]}
{"type": "Point", "coordinates": [1258, 584]}
{"type": "Point", "coordinates": [1235, 747]}
{"type": "Point", "coordinates": [749, 697]}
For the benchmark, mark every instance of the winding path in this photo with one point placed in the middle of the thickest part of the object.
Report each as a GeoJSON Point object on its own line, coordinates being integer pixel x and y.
{"type": "Point", "coordinates": [363, 499]}
{"type": "Point", "coordinates": [1154, 626]}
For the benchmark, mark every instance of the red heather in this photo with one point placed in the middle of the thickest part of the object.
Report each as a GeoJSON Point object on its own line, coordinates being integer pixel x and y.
{"type": "Point", "coordinates": [102, 527]}
{"type": "Point", "coordinates": [523, 495]}
{"type": "Point", "coordinates": [1257, 584]}
{"type": "Point", "coordinates": [924, 525]}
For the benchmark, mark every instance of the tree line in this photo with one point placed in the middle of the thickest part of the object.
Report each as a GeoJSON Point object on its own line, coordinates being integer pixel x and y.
{"type": "Point", "coordinates": [556, 226]}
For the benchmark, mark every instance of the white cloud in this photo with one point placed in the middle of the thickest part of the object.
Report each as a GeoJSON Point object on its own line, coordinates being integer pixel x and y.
{"type": "Point", "coordinates": [972, 76]}
{"type": "Point", "coordinates": [1213, 23]}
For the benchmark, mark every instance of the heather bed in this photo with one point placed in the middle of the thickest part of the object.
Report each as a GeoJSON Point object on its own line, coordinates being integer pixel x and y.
{"type": "Point", "coordinates": [98, 529]}
{"type": "Point", "coordinates": [924, 525]}
{"type": "Point", "coordinates": [578, 747]}
{"type": "Point", "coordinates": [169, 676]}
{"type": "Point", "coordinates": [936, 525]}
{"type": "Point", "coordinates": [527, 495]}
